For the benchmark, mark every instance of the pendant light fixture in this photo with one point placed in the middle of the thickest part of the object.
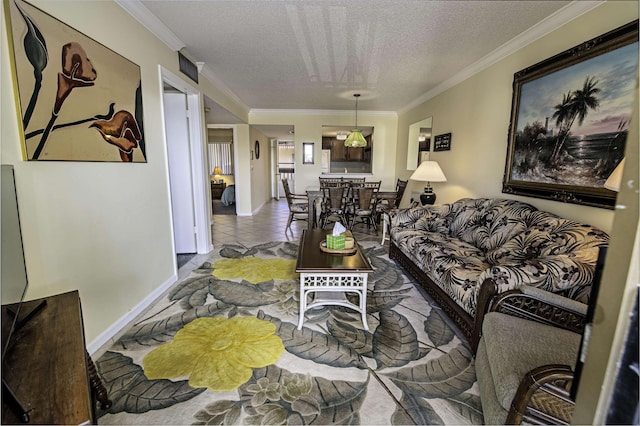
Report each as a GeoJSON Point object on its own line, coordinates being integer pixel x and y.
{"type": "Point", "coordinates": [355, 138]}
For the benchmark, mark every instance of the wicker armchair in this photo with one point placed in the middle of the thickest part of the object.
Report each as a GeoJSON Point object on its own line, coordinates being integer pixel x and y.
{"type": "Point", "coordinates": [526, 357]}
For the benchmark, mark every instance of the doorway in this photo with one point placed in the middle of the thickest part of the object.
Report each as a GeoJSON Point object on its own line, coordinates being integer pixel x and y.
{"type": "Point", "coordinates": [286, 161]}
{"type": "Point", "coordinates": [185, 166]}
{"type": "Point", "coordinates": [221, 166]}
{"type": "Point", "coordinates": [179, 157]}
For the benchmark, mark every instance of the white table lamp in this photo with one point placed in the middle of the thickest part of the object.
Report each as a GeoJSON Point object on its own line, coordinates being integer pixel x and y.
{"type": "Point", "coordinates": [428, 171]}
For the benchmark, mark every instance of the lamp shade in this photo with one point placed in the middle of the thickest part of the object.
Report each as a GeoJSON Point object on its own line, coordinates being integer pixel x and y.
{"type": "Point", "coordinates": [355, 140]}
{"type": "Point", "coordinates": [429, 171]}
{"type": "Point", "coordinates": [217, 170]}
{"type": "Point", "coordinates": [613, 182]}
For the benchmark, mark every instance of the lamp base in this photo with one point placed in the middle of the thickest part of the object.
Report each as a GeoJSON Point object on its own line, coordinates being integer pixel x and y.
{"type": "Point", "coordinates": [428, 197]}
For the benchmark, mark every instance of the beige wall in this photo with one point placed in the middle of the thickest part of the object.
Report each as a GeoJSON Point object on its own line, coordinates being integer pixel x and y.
{"type": "Point", "coordinates": [241, 148]}
{"type": "Point", "coordinates": [102, 228]}
{"type": "Point", "coordinates": [477, 113]}
{"type": "Point", "coordinates": [260, 170]}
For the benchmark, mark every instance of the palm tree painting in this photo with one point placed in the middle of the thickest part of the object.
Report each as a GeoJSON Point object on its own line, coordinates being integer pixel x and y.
{"type": "Point", "coordinates": [79, 100]}
{"type": "Point", "coordinates": [570, 120]}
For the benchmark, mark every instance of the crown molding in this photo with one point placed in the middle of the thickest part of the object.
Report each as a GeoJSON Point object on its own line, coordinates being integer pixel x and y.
{"type": "Point", "coordinates": [321, 112]}
{"type": "Point", "coordinates": [219, 84]}
{"type": "Point", "coordinates": [139, 11]}
{"type": "Point", "coordinates": [143, 15]}
{"type": "Point", "coordinates": [551, 23]}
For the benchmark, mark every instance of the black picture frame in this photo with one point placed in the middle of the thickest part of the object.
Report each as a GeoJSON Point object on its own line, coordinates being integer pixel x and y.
{"type": "Point", "coordinates": [586, 94]}
{"type": "Point", "coordinates": [442, 142]}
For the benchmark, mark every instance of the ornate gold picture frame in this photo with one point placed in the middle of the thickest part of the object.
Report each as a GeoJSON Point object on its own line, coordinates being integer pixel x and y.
{"type": "Point", "coordinates": [570, 117]}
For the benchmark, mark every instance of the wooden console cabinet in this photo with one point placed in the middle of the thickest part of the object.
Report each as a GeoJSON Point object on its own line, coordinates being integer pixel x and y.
{"type": "Point", "coordinates": [48, 367]}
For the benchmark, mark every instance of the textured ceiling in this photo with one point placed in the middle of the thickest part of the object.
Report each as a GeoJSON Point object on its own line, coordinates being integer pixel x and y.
{"type": "Point", "coordinates": [314, 55]}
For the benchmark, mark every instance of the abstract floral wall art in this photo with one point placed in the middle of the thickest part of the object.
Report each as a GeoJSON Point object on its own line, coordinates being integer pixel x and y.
{"type": "Point", "coordinates": [79, 100]}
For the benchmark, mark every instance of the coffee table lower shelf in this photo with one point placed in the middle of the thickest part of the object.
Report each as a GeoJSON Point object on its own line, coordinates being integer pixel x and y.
{"type": "Point", "coordinates": [331, 289]}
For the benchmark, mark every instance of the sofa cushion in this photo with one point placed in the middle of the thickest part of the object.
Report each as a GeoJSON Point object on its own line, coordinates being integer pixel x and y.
{"type": "Point", "coordinates": [554, 254]}
{"type": "Point", "coordinates": [452, 264]}
{"type": "Point", "coordinates": [516, 346]}
{"type": "Point", "coordinates": [545, 234]}
{"type": "Point", "coordinates": [488, 223]}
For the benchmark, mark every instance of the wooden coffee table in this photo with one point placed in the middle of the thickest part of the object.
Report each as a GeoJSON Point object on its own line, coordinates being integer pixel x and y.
{"type": "Point", "coordinates": [327, 277]}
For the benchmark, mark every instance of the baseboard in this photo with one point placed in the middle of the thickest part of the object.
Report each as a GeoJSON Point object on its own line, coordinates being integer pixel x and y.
{"type": "Point", "coordinates": [115, 328]}
{"type": "Point", "coordinates": [256, 210]}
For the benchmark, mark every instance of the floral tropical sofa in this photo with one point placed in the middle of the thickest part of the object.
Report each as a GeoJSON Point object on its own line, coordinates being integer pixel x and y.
{"type": "Point", "coordinates": [465, 252]}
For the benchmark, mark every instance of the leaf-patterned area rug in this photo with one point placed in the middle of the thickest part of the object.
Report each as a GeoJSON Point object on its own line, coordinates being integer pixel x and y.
{"type": "Point", "coordinates": [223, 348]}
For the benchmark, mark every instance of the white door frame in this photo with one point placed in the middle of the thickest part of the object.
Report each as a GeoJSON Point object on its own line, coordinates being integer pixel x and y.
{"type": "Point", "coordinates": [179, 159]}
{"type": "Point", "coordinates": [275, 173]}
{"type": "Point", "coordinates": [199, 175]}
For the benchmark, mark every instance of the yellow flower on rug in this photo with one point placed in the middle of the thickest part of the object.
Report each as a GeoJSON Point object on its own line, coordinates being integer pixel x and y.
{"type": "Point", "coordinates": [254, 269]}
{"type": "Point", "coordinates": [216, 353]}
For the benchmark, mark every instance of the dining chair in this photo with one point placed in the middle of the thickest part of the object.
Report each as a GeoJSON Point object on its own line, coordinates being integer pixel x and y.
{"type": "Point", "coordinates": [355, 180]}
{"type": "Point", "coordinates": [325, 181]}
{"type": "Point", "coordinates": [334, 204]}
{"type": "Point", "coordinates": [384, 206]}
{"type": "Point", "coordinates": [298, 204]}
{"type": "Point", "coordinates": [363, 202]}
{"type": "Point", "coordinates": [401, 185]}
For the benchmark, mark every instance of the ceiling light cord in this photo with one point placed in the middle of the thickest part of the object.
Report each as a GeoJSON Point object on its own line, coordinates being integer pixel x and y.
{"type": "Point", "coordinates": [355, 138]}
{"type": "Point", "coordinates": [356, 95]}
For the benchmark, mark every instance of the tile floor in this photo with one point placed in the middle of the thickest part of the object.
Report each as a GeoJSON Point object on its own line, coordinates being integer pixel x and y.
{"type": "Point", "coordinates": [269, 225]}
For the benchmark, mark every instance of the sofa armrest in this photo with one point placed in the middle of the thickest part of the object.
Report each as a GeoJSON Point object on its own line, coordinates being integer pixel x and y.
{"type": "Point", "coordinates": [530, 303]}
{"type": "Point", "coordinates": [543, 397]}
{"type": "Point", "coordinates": [541, 306]}
{"type": "Point", "coordinates": [555, 299]}
{"type": "Point", "coordinates": [571, 275]}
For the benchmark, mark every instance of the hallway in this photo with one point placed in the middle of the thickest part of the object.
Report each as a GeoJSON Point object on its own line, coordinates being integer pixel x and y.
{"type": "Point", "coordinates": [269, 225]}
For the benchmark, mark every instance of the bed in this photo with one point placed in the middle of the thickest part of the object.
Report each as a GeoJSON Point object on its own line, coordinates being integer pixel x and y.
{"type": "Point", "coordinates": [229, 195]}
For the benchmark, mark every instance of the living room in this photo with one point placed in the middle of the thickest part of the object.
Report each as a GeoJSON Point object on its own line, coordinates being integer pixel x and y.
{"type": "Point", "coordinates": [106, 229]}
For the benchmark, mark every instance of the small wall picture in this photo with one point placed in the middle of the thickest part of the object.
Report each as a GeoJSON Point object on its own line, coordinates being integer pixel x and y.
{"type": "Point", "coordinates": [442, 142]}
{"type": "Point", "coordinates": [307, 153]}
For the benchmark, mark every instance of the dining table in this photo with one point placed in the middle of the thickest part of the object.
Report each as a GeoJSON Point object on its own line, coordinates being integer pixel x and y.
{"type": "Point", "coordinates": [314, 193]}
